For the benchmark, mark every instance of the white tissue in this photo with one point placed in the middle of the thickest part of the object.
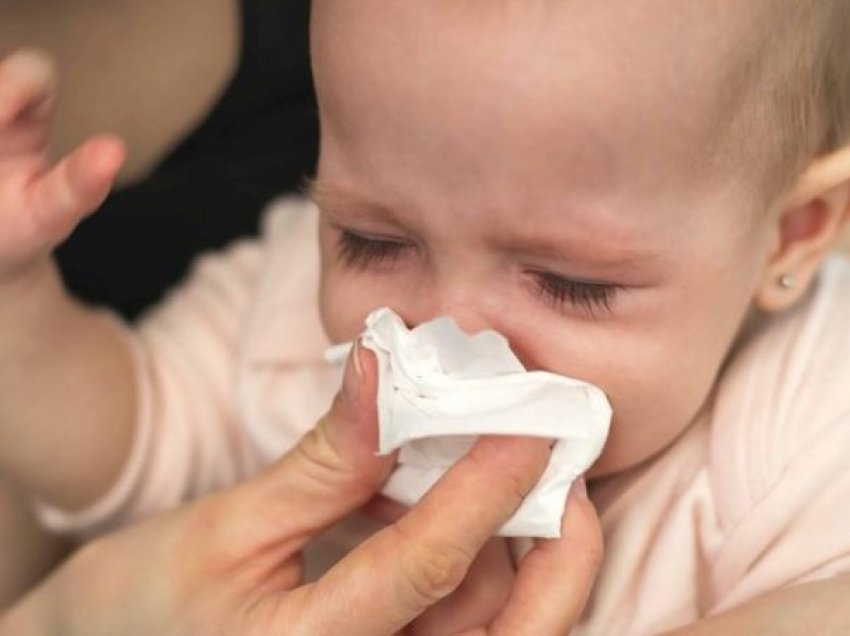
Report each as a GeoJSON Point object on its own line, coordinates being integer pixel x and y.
{"type": "Point", "coordinates": [439, 388]}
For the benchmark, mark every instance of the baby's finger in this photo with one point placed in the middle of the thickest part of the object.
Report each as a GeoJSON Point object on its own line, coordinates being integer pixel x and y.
{"type": "Point", "coordinates": [28, 137]}
{"type": "Point", "coordinates": [556, 577]}
{"type": "Point", "coordinates": [76, 186]}
{"type": "Point", "coordinates": [27, 85]}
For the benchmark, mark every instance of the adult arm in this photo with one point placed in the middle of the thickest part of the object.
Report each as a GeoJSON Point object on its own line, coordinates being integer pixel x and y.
{"type": "Point", "coordinates": [35, 552]}
{"type": "Point", "coordinates": [821, 607]}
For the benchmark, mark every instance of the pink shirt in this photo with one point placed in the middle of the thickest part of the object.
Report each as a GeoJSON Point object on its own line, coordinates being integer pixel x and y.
{"type": "Point", "coordinates": [754, 496]}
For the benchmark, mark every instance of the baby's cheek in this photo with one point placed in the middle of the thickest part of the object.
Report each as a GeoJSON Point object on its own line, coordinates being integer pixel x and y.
{"type": "Point", "coordinates": [338, 320]}
{"type": "Point", "coordinates": [347, 296]}
{"type": "Point", "coordinates": [338, 307]}
{"type": "Point", "coordinates": [652, 400]}
{"type": "Point", "coordinates": [651, 411]}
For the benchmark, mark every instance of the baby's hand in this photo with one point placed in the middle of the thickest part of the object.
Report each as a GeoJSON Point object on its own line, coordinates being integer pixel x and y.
{"type": "Point", "coordinates": [40, 205]}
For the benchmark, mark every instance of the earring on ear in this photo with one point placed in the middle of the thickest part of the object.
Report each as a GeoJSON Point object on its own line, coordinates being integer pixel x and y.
{"type": "Point", "coordinates": [787, 281]}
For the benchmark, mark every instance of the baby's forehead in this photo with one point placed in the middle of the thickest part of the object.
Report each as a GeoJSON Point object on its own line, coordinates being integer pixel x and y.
{"type": "Point", "coordinates": [648, 75]}
{"type": "Point", "coordinates": [678, 38]}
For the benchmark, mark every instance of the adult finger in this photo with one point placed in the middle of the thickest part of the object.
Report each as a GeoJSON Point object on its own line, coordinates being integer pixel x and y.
{"type": "Point", "coordinates": [385, 509]}
{"type": "Point", "coordinates": [481, 596]}
{"type": "Point", "coordinates": [27, 85]}
{"type": "Point", "coordinates": [423, 557]}
{"type": "Point", "coordinates": [331, 472]}
{"type": "Point", "coordinates": [555, 578]}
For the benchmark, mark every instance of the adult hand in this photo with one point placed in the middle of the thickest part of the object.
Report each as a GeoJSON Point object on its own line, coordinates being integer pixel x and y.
{"type": "Point", "coordinates": [230, 563]}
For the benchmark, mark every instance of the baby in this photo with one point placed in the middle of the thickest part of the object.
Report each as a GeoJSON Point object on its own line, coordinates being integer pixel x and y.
{"type": "Point", "coordinates": [640, 195]}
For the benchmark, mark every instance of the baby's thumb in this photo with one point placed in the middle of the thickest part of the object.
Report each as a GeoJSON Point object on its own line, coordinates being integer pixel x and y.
{"type": "Point", "coordinates": [333, 470]}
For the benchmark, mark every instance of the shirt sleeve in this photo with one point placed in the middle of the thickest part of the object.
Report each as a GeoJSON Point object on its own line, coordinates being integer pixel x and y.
{"type": "Point", "coordinates": [188, 438]}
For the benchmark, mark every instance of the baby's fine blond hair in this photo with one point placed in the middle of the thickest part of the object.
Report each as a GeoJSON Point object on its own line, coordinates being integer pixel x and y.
{"type": "Point", "coordinates": [794, 95]}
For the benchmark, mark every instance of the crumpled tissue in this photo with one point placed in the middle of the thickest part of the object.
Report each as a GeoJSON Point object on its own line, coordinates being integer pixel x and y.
{"type": "Point", "coordinates": [440, 388]}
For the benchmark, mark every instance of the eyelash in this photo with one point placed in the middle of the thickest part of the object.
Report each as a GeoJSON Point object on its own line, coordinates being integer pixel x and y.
{"type": "Point", "coordinates": [589, 297]}
{"type": "Point", "coordinates": [356, 250]}
{"type": "Point", "coordinates": [360, 251]}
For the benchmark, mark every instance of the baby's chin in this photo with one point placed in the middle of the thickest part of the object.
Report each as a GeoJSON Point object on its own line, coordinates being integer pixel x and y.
{"type": "Point", "coordinates": [621, 456]}
{"type": "Point", "coordinates": [611, 464]}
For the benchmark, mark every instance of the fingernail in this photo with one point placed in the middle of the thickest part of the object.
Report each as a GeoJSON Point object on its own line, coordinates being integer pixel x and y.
{"type": "Point", "coordinates": [579, 488]}
{"type": "Point", "coordinates": [356, 349]}
{"type": "Point", "coordinates": [353, 376]}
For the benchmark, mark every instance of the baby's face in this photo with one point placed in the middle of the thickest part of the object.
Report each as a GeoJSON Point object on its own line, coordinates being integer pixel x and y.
{"type": "Point", "coordinates": [545, 169]}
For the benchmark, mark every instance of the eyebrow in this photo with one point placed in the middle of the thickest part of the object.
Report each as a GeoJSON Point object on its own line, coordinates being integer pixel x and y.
{"type": "Point", "coordinates": [540, 244]}
{"type": "Point", "coordinates": [331, 199]}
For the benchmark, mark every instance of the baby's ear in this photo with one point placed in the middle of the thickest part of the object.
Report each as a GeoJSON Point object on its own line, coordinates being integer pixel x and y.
{"type": "Point", "coordinates": [810, 222]}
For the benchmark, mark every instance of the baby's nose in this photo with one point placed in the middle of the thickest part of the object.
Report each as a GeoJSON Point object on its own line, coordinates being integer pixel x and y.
{"type": "Point", "coordinates": [474, 317]}
{"type": "Point", "coordinates": [469, 309]}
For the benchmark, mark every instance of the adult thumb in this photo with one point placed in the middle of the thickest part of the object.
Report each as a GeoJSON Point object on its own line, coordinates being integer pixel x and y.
{"type": "Point", "coordinates": [332, 471]}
